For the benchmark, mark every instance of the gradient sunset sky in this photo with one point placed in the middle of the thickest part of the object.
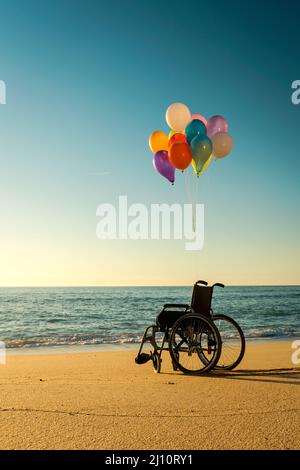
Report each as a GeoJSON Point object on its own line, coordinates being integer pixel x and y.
{"type": "Point", "coordinates": [88, 81]}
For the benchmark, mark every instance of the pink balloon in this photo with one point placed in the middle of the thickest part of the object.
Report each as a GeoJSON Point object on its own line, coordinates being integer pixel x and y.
{"type": "Point", "coordinates": [215, 125]}
{"type": "Point", "coordinates": [200, 117]}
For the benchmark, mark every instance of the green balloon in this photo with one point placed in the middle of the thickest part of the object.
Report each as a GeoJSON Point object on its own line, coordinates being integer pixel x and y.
{"type": "Point", "coordinates": [195, 128]}
{"type": "Point", "coordinates": [201, 148]}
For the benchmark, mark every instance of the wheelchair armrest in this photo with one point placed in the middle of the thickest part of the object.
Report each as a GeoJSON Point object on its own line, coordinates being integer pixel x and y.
{"type": "Point", "coordinates": [201, 282]}
{"type": "Point", "coordinates": [185, 306]}
{"type": "Point", "coordinates": [218, 284]}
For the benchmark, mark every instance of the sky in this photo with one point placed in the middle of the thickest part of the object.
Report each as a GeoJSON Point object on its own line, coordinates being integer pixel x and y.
{"type": "Point", "coordinates": [88, 81]}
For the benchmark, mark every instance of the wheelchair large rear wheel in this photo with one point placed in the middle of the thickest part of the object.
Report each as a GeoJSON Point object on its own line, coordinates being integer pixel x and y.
{"type": "Point", "coordinates": [194, 337]}
{"type": "Point", "coordinates": [233, 342]}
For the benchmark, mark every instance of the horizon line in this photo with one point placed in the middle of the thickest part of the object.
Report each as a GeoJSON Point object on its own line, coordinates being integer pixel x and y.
{"type": "Point", "coordinates": [138, 285]}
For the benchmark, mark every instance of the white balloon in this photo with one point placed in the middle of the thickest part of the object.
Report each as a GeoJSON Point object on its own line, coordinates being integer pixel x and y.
{"type": "Point", "coordinates": [178, 116]}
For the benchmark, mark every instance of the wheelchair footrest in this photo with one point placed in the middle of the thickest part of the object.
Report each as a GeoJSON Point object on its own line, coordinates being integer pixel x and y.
{"type": "Point", "coordinates": [143, 358]}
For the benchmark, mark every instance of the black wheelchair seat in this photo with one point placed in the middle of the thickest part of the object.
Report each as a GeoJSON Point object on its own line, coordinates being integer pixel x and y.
{"type": "Point", "coordinates": [170, 314]}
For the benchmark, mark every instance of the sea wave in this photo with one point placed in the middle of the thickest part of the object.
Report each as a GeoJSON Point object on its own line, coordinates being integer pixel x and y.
{"type": "Point", "coordinates": [275, 333]}
{"type": "Point", "coordinates": [89, 316]}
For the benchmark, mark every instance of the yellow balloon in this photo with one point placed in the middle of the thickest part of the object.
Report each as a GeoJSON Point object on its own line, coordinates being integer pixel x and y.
{"type": "Point", "coordinates": [158, 140]}
{"type": "Point", "coordinates": [194, 168]}
{"type": "Point", "coordinates": [171, 133]}
{"type": "Point", "coordinates": [204, 166]}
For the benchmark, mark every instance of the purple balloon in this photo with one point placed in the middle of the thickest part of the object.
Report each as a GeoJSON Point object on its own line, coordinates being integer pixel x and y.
{"type": "Point", "coordinates": [162, 164]}
{"type": "Point", "coordinates": [216, 124]}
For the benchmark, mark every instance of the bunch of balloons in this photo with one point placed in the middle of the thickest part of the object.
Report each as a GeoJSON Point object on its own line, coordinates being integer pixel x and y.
{"type": "Point", "coordinates": [192, 140]}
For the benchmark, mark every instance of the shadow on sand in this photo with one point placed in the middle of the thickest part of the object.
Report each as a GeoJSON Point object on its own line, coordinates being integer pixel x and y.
{"type": "Point", "coordinates": [290, 376]}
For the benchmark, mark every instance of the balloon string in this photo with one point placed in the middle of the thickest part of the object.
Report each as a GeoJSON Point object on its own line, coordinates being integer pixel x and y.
{"type": "Point", "coordinates": [191, 185]}
{"type": "Point", "coordinates": [190, 194]}
{"type": "Point", "coordinates": [197, 182]}
{"type": "Point", "coordinates": [194, 201]}
{"type": "Point", "coordinates": [195, 185]}
{"type": "Point", "coordinates": [197, 258]}
{"type": "Point", "coordinates": [193, 188]}
{"type": "Point", "coordinates": [187, 189]}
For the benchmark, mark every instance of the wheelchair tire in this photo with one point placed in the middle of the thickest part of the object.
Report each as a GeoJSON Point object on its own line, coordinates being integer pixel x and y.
{"type": "Point", "coordinates": [190, 336]}
{"type": "Point", "coordinates": [233, 342]}
{"type": "Point", "coordinates": [156, 360]}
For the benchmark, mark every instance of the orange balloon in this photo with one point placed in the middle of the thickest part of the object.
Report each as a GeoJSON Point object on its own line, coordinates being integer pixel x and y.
{"type": "Point", "coordinates": [158, 140]}
{"type": "Point", "coordinates": [180, 155]}
{"type": "Point", "coordinates": [176, 138]}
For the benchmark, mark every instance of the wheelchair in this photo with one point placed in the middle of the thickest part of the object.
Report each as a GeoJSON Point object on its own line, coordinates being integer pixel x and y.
{"type": "Point", "coordinates": [197, 339]}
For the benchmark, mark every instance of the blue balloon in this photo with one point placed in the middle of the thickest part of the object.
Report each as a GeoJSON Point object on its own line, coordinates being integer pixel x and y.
{"type": "Point", "coordinates": [195, 128]}
{"type": "Point", "coordinates": [201, 148]}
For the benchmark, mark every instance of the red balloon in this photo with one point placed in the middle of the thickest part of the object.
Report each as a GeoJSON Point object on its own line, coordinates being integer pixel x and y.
{"type": "Point", "coordinates": [180, 155]}
{"type": "Point", "coordinates": [176, 138]}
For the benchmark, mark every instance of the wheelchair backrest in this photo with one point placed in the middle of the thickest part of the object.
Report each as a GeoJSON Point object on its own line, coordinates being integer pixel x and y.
{"type": "Point", "coordinates": [201, 299]}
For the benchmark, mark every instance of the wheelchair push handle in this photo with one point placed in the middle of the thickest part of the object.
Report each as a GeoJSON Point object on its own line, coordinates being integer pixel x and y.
{"type": "Point", "coordinates": [201, 282]}
{"type": "Point", "coordinates": [218, 284]}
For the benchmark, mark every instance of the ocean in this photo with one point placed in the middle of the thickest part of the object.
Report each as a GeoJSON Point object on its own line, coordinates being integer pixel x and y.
{"type": "Point", "coordinates": [37, 317]}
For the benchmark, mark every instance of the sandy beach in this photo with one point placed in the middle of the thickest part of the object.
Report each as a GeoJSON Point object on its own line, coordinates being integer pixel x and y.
{"type": "Point", "coordinates": [103, 400]}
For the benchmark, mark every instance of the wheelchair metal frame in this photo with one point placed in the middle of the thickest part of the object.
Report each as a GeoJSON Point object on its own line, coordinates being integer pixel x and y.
{"type": "Point", "coordinates": [157, 350]}
{"type": "Point", "coordinates": [155, 356]}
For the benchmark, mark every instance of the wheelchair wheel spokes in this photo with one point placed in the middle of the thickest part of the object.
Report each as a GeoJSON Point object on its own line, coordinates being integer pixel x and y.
{"type": "Point", "coordinates": [192, 337]}
{"type": "Point", "coordinates": [233, 342]}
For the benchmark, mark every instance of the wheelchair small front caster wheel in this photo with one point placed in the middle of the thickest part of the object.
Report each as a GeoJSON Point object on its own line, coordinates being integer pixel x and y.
{"type": "Point", "coordinates": [156, 362]}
